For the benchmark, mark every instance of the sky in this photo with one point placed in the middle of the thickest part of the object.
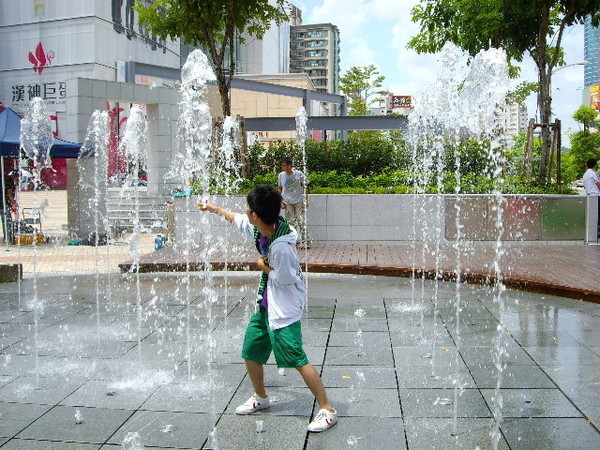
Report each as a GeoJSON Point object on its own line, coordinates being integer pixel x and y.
{"type": "Point", "coordinates": [377, 32]}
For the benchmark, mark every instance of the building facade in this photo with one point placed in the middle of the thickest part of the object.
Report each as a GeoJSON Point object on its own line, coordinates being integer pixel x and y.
{"type": "Point", "coordinates": [591, 52]}
{"type": "Point", "coordinates": [45, 43]}
{"type": "Point", "coordinates": [315, 50]}
{"type": "Point", "coordinates": [515, 119]}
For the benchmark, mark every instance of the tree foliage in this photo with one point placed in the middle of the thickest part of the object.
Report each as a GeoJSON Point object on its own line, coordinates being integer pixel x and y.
{"type": "Point", "coordinates": [213, 25]}
{"type": "Point", "coordinates": [520, 27]}
{"type": "Point", "coordinates": [359, 84]}
{"type": "Point", "coordinates": [586, 116]}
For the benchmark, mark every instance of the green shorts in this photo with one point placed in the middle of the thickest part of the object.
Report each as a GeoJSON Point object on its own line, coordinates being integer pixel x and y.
{"type": "Point", "coordinates": [286, 342]}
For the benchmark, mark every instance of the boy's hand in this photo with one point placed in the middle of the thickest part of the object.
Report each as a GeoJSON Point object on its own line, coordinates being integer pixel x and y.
{"type": "Point", "coordinates": [208, 206]}
{"type": "Point", "coordinates": [262, 265]}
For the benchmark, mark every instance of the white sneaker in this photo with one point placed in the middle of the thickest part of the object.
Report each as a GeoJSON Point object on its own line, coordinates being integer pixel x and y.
{"type": "Point", "coordinates": [253, 404]}
{"type": "Point", "coordinates": [323, 421]}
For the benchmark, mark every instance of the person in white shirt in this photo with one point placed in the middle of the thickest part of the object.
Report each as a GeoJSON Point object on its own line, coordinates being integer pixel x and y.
{"type": "Point", "coordinates": [275, 327]}
{"type": "Point", "coordinates": [291, 184]}
{"type": "Point", "coordinates": [591, 182]}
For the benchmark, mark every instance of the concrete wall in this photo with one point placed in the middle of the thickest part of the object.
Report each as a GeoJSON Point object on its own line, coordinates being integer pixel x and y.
{"type": "Point", "coordinates": [403, 218]}
{"type": "Point", "coordinates": [84, 96]}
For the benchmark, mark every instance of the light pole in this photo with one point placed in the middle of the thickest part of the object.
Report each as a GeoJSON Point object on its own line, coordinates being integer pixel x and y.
{"type": "Point", "coordinates": [582, 63]}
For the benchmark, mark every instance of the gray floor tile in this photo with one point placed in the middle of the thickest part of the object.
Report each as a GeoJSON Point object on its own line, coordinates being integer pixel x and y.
{"type": "Point", "coordinates": [564, 356]}
{"type": "Point", "coordinates": [573, 376]}
{"type": "Point", "coordinates": [239, 432]}
{"type": "Point", "coordinates": [359, 338]}
{"type": "Point", "coordinates": [352, 324]}
{"type": "Point", "coordinates": [14, 417]}
{"type": "Point", "coordinates": [441, 433]}
{"type": "Point", "coordinates": [384, 433]}
{"type": "Point", "coordinates": [587, 400]}
{"type": "Point", "coordinates": [369, 356]}
{"type": "Point", "coordinates": [421, 338]}
{"type": "Point", "coordinates": [483, 357]}
{"type": "Point", "coordinates": [555, 433]}
{"type": "Point", "coordinates": [443, 403]}
{"type": "Point", "coordinates": [429, 357]}
{"type": "Point", "coordinates": [28, 444]}
{"type": "Point", "coordinates": [60, 424]}
{"type": "Point", "coordinates": [43, 391]}
{"type": "Point", "coordinates": [512, 377]}
{"type": "Point", "coordinates": [533, 403]}
{"type": "Point", "coordinates": [359, 377]}
{"type": "Point", "coordinates": [166, 429]}
{"type": "Point", "coordinates": [103, 394]}
{"type": "Point", "coordinates": [200, 396]}
{"type": "Point", "coordinates": [415, 377]}
{"type": "Point", "coordinates": [365, 402]}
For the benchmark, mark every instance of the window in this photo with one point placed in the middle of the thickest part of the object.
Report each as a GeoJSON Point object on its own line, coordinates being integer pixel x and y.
{"type": "Point", "coordinates": [313, 53]}
{"type": "Point", "coordinates": [299, 54]}
{"type": "Point", "coordinates": [298, 44]}
{"type": "Point", "coordinates": [299, 35]}
{"type": "Point", "coordinates": [316, 43]}
{"type": "Point", "coordinates": [314, 34]}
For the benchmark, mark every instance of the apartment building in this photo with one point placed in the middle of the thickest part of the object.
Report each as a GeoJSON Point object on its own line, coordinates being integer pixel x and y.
{"type": "Point", "coordinates": [315, 50]}
{"type": "Point", "coordinates": [515, 119]}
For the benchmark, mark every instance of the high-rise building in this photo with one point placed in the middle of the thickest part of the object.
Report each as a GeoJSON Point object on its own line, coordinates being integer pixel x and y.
{"type": "Point", "coordinates": [591, 51]}
{"type": "Point", "coordinates": [315, 50]}
{"type": "Point", "coordinates": [515, 119]}
{"type": "Point", "coordinates": [271, 54]}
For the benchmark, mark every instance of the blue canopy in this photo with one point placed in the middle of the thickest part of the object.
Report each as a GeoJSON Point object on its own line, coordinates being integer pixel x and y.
{"type": "Point", "coordinates": [10, 139]}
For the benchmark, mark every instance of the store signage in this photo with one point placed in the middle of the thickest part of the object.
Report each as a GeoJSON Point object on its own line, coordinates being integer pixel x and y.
{"type": "Point", "coordinates": [401, 101]}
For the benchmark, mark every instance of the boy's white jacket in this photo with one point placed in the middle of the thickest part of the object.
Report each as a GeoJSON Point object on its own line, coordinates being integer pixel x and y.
{"type": "Point", "coordinates": [285, 286]}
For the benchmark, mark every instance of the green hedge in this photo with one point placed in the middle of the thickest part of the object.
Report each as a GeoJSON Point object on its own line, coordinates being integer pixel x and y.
{"type": "Point", "coordinates": [376, 162]}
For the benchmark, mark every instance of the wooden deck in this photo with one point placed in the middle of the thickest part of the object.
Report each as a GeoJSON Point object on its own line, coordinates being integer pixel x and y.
{"type": "Point", "coordinates": [567, 270]}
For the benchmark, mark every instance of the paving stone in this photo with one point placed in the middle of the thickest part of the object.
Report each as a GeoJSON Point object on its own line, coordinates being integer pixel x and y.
{"type": "Point", "coordinates": [567, 433]}
{"type": "Point", "coordinates": [14, 417]}
{"type": "Point", "coordinates": [38, 391]}
{"type": "Point", "coordinates": [361, 432]}
{"type": "Point", "coordinates": [362, 402]}
{"type": "Point", "coordinates": [442, 433]}
{"type": "Point", "coordinates": [239, 432]}
{"type": "Point", "coordinates": [533, 403]}
{"type": "Point", "coordinates": [359, 377]}
{"type": "Point", "coordinates": [443, 403]}
{"type": "Point", "coordinates": [167, 429]}
{"type": "Point", "coordinates": [347, 356]}
{"type": "Point", "coordinates": [28, 444]}
{"type": "Point", "coordinates": [154, 385]}
{"type": "Point", "coordinates": [61, 424]}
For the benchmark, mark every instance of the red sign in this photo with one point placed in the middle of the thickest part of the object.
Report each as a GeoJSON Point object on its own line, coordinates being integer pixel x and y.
{"type": "Point", "coordinates": [40, 59]}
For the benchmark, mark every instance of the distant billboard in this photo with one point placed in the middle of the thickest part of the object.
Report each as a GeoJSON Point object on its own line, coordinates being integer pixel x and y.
{"type": "Point", "coordinates": [401, 101]}
{"type": "Point", "coordinates": [595, 96]}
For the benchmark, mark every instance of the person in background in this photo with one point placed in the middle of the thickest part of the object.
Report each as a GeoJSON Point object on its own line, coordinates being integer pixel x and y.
{"type": "Point", "coordinates": [591, 182]}
{"type": "Point", "coordinates": [9, 202]}
{"type": "Point", "coordinates": [291, 183]}
{"type": "Point", "coordinates": [275, 327]}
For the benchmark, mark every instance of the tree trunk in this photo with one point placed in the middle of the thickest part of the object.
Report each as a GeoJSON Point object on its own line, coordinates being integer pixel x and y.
{"type": "Point", "coordinates": [545, 107]}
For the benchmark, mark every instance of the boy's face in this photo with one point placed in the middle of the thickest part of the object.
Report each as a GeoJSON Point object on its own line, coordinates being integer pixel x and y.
{"type": "Point", "coordinates": [286, 167]}
{"type": "Point", "coordinates": [252, 216]}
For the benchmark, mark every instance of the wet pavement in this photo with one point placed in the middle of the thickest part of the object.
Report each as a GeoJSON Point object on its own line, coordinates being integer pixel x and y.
{"type": "Point", "coordinates": [99, 360]}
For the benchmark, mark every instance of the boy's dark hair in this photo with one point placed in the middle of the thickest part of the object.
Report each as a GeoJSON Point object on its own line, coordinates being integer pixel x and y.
{"type": "Point", "coordinates": [286, 160]}
{"type": "Point", "coordinates": [265, 201]}
{"type": "Point", "coordinates": [591, 163]}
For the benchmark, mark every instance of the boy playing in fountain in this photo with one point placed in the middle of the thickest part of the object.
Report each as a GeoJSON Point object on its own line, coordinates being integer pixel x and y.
{"type": "Point", "coordinates": [276, 325]}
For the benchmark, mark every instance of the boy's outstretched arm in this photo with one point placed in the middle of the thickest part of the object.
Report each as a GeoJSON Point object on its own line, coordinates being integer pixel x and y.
{"type": "Point", "coordinates": [212, 208]}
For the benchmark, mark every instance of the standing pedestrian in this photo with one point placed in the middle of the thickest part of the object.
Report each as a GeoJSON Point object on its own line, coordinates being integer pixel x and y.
{"type": "Point", "coordinates": [591, 182]}
{"type": "Point", "coordinates": [292, 183]}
